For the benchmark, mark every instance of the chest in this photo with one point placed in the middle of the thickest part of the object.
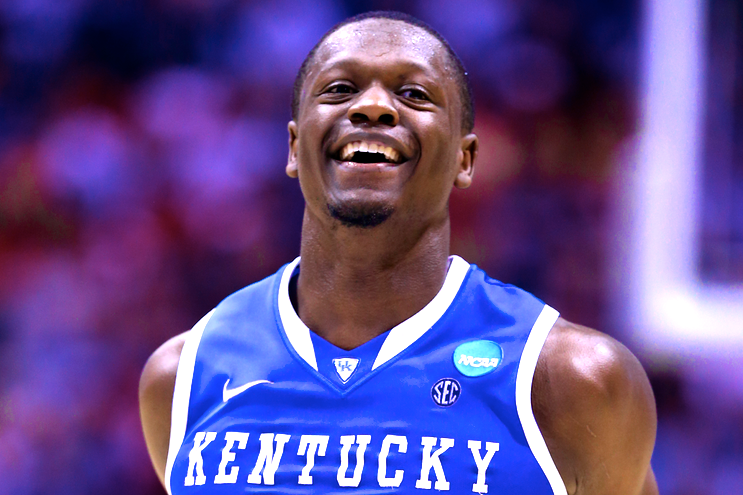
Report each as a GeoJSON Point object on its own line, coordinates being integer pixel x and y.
{"type": "Point", "coordinates": [417, 425]}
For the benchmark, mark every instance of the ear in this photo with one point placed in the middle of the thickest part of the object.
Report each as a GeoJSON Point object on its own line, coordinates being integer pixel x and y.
{"type": "Point", "coordinates": [467, 155]}
{"type": "Point", "coordinates": [291, 164]}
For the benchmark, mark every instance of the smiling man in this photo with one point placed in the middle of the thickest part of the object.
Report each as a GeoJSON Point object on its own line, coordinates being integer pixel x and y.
{"type": "Point", "coordinates": [376, 362]}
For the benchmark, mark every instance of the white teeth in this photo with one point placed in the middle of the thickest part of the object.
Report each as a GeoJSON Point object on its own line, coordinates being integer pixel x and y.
{"type": "Point", "coordinates": [391, 154]}
{"type": "Point", "coordinates": [348, 150]}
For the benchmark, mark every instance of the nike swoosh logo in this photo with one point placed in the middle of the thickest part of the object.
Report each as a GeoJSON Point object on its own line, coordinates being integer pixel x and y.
{"type": "Point", "coordinates": [228, 394]}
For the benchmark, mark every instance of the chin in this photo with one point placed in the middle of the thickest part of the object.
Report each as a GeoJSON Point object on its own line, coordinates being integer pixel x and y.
{"type": "Point", "coordinates": [362, 215]}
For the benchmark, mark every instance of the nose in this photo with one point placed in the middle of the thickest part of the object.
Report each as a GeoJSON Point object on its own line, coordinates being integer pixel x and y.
{"type": "Point", "coordinates": [374, 106]}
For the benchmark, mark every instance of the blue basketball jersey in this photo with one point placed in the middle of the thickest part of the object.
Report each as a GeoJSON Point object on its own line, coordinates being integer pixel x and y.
{"type": "Point", "coordinates": [440, 402]}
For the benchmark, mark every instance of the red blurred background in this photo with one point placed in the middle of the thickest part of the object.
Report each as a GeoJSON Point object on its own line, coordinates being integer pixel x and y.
{"type": "Point", "coordinates": [142, 148]}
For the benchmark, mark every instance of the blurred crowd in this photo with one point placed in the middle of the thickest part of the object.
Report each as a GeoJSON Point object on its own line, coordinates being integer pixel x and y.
{"type": "Point", "coordinates": [142, 153]}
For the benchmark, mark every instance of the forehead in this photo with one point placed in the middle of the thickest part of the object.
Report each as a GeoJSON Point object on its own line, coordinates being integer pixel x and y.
{"type": "Point", "coordinates": [375, 39]}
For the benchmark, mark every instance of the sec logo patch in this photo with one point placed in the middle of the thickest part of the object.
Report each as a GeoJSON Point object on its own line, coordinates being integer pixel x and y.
{"type": "Point", "coordinates": [445, 392]}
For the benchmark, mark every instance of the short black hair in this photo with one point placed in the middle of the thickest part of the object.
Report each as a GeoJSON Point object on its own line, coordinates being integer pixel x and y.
{"type": "Point", "coordinates": [465, 89]}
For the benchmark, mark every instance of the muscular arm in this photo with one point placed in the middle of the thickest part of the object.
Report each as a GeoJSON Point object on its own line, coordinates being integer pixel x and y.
{"type": "Point", "coordinates": [156, 398]}
{"type": "Point", "coordinates": [594, 405]}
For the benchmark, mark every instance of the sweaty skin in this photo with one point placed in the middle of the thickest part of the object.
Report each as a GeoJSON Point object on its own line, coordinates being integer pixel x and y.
{"type": "Point", "coordinates": [385, 80]}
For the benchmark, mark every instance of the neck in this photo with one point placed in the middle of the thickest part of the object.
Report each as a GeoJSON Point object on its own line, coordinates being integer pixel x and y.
{"type": "Point", "coordinates": [356, 284]}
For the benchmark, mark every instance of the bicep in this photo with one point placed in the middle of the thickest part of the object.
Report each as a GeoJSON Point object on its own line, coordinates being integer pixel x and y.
{"type": "Point", "coordinates": [156, 387]}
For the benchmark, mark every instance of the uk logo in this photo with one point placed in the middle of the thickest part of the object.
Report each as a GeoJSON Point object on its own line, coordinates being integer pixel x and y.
{"type": "Point", "coordinates": [446, 392]}
{"type": "Point", "coordinates": [345, 367]}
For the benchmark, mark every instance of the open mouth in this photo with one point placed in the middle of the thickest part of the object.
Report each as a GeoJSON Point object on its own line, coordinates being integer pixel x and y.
{"type": "Point", "coordinates": [369, 152]}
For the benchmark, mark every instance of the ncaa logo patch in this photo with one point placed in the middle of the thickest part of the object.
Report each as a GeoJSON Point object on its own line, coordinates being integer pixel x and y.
{"type": "Point", "coordinates": [446, 391]}
{"type": "Point", "coordinates": [345, 367]}
{"type": "Point", "coordinates": [478, 357]}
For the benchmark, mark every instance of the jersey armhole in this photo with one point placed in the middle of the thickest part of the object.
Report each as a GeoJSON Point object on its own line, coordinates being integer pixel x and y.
{"type": "Point", "coordinates": [182, 394]}
{"type": "Point", "coordinates": [524, 378]}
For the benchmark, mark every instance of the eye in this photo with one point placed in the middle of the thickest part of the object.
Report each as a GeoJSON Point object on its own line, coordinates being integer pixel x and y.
{"type": "Point", "coordinates": [340, 89]}
{"type": "Point", "coordinates": [414, 94]}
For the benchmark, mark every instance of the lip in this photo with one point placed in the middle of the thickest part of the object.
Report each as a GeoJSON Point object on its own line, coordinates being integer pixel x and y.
{"type": "Point", "coordinates": [366, 167]}
{"type": "Point", "coordinates": [384, 139]}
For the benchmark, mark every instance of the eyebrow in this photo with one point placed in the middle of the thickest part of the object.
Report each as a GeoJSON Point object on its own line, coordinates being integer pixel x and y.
{"type": "Point", "coordinates": [352, 63]}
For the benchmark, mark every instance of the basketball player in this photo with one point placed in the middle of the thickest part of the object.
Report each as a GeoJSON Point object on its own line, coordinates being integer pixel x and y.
{"type": "Point", "coordinates": [378, 363]}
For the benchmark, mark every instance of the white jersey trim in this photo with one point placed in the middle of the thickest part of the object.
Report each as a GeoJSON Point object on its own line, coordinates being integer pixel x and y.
{"type": "Point", "coordinates": [410, 330]}
{"type": "Point", "coordinates": [182, 394]}
{"type": "Point", "coordinates": [399, 338]}
{"type": "Point", "coordinates": [524, 378]}
{"type": "Point", "coordinates": [296, 331]}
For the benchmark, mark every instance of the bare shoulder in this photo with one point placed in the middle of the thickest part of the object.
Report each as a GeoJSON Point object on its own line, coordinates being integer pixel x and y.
{"type": "Point", "coordinates": [156, 387]}
{"type": "Point", "coordinates": [594, 405]}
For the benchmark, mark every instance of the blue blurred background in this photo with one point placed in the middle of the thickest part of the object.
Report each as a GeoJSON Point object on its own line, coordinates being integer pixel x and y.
{"type": "Point", "coordinates": [142, 152]}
